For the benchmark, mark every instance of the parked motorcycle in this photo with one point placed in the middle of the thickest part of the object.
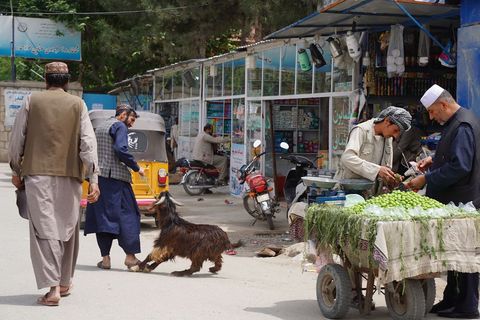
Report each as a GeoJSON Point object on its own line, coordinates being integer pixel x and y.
{"type": "Point", "coordinates": [259, 199]}
{"type": "Point", "coordinates": [198, 176]}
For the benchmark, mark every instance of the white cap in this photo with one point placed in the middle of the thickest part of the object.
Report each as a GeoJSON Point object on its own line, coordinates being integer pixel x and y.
{"type": "Point", "coordinates": [431, 95]}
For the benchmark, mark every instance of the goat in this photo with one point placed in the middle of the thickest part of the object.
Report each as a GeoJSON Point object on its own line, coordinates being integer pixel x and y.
{"type": "Point", "coordinates": [178, 237]}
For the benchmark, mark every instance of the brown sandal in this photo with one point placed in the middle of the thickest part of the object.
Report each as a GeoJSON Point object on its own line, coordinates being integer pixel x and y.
{"type": "Point", "coordinates": [46, 300]}
{"type": "Point", "coordinates": [66, 292]}
{"type": "Point", "coordinates": [102, 266]}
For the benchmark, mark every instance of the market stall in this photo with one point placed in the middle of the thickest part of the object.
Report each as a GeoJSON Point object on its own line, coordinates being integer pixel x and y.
{"type": "Point", "coordinates": [397, 242]}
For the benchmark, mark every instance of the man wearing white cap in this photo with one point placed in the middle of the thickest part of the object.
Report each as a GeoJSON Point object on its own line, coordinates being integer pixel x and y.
{"type": "Point", "coordinates": [369, 151]}
{"type": "Point", "coordinates": [453, 176]}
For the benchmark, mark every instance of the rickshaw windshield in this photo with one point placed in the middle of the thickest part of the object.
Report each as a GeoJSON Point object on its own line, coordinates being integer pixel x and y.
{"type": "Point", "coordinates": [146, 139]}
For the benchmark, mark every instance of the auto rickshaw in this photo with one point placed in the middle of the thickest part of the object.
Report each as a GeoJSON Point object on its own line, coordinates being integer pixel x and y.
{"type": "Point", "coordinates": [146, 142]}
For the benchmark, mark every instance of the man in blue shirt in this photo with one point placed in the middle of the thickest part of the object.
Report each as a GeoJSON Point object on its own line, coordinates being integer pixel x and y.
{"type": "Point", "coordinates": [453, 176]}
{"type": "Point", "coordinates": [116, 214]}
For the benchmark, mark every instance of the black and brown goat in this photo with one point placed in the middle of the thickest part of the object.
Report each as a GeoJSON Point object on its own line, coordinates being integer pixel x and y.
{"type": "Point", "coordinates": [178, 237]}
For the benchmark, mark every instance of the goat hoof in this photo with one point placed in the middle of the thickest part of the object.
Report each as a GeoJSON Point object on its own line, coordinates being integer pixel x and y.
{"type": "Point", "coordinates": [213, 270]}
{"type": "Point", "coordinates": [147, 270]}
{"type": "Point", "coordinates": [134, 268]}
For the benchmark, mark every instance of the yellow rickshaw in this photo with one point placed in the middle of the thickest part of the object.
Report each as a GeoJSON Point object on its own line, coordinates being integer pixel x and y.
{"type": "Point", "coordinates": [146, 142]}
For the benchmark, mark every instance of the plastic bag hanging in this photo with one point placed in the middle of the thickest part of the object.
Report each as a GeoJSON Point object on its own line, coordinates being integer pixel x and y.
{"type": "Point", "coordinates": [395, 53]}
{"type": "Point", "coordinates": [423, 52]}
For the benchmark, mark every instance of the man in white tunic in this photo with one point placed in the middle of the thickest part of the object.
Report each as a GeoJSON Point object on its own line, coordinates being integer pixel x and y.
{"type": "Point", "coordinates": [369, 151]}
{"type": "Point", "coordinates": [52, 147]}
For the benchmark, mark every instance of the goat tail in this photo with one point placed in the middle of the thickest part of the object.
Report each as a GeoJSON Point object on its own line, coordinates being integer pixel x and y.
{"type": "Point", "coordinates": [237, 244]}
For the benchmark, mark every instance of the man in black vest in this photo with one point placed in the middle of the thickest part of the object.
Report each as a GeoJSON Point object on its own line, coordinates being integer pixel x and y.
{"type": "Point", "coordinates": [453, 176]}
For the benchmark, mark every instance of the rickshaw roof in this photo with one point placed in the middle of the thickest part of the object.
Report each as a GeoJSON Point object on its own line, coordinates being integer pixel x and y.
{"type": "Point", "coordinates": [146, 120]}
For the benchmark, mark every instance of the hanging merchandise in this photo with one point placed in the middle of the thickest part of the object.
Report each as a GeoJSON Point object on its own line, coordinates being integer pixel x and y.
{"type": "Point", "coordinates": [317, 55]}
{"type": "Point", "coordinates": [423, 48]}
{"type": "Point", "coordinates": [448, 57]}
{"type": "Point", "coordinates": [395, 53]}
{"type": "Point", "coordinates": [344, 61]}
{"type": "Point", "coordinates": [335, 47]}
{"type": "Point", "coordinates": [353, 46]}
{"type": "Point", "coordinates": [304, 60]}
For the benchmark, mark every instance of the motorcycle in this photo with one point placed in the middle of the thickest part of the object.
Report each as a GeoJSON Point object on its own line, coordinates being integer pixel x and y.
{"type": "Point", "coordinates": [259, 198]}
{"type": "Point", "coordinates": [198, 176]}
{"type": "Point", "coordinates": [293, 181]}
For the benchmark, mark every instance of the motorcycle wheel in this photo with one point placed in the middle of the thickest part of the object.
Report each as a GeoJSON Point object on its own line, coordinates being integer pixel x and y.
{"type": "Point", "coordinates": [191, 180]}
{"type": "Point", "coordinates": [252, 207]}
{"type": "Point", "coordinates": [269, 217]}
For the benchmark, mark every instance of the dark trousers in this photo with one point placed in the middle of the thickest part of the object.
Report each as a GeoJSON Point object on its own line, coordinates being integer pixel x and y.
{"type": "Point", "coordinates": [105, 240]}
{"type": "Point", "coordinates": [462, 291]}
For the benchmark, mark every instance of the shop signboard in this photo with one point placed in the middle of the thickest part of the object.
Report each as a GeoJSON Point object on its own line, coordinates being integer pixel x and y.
{"type": "Point", "coordinates": [95, 101]}
{"type": "Point", "coordinates": [39, 39]}
{"type": "Point", "coordinates": [14, 99]}
{"type": "Point", "coordinates": [237, 160]}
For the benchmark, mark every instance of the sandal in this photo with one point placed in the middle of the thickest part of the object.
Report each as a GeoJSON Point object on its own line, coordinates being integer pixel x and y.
{"type": "Point", "coordinates": [66, 292]}
{"type": "Point", "coordinates": [102, 266]}
{"type": "Point", "coordinates": [48, 301]}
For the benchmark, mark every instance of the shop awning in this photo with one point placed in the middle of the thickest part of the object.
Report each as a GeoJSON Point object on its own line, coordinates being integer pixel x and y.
{"type": "Point", "coordinates": [369, 15]}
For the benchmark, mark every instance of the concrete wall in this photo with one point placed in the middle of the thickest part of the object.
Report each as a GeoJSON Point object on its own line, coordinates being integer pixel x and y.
{"type": "Point", "coordinates": [74, 88]}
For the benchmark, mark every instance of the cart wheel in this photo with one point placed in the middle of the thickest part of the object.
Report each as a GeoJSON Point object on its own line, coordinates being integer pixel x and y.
{"type": "Point", "coordinates": [429, 291]}
{"type": "Point", "coordinates": [406, 303]}
{"type": "Point", "coordinates": [334, 291]}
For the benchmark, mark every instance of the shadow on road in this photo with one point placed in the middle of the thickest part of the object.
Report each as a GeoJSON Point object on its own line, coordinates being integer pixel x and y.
{"type": "Point", "coordinates": [295, 309]}
{"type": "Point", "coordinates": [20, 300]}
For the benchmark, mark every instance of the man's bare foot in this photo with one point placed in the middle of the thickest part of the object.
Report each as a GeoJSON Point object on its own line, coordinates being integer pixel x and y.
{"type": "Point", "coordinates": [105, 263]}
{"type": "Point", "coordinates": [131, 260]}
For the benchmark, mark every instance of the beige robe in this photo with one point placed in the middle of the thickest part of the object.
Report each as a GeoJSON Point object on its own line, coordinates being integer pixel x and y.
{"type": "Point", "coordinates": [53, 204]}
{"type": "Point", "coordinates": [364, 154]}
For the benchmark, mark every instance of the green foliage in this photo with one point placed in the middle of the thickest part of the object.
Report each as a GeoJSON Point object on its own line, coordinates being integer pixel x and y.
{"type": "Point", "coordinates": [118, 46]}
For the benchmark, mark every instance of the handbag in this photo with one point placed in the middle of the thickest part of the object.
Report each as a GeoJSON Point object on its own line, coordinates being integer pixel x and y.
{"type": "Point", "coordinates": [22, 203]}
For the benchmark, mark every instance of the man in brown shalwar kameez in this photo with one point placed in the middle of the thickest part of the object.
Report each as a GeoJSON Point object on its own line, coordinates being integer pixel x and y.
{"type": "Point", "coordinates": [52, 147]}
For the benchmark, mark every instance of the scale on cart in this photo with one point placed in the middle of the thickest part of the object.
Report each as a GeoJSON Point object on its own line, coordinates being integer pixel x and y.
{"type": "Point", "coordinates": [322, 189]}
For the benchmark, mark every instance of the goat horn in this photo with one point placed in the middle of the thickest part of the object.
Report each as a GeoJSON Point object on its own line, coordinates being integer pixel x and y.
{"type": "Point", "coordinates": [162, 200]}
{"type": "Point", "coordinates": [176, 202]}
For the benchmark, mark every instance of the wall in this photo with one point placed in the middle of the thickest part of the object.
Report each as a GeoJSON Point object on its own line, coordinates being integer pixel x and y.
{"type": "Point", "coordinates": [5, 130]}
{"type": "Point", "coordinates": [468, 56]}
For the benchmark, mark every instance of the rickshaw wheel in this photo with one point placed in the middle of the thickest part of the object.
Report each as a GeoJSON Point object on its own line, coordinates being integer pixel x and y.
{"type": "Point", "coordinates": [429, 291]}
{"type": "Point", "coordinates": [191, 180]}
{"type": "Point", "coordinates": [334, 291]}
{"type": "Point", "coordinates": [406, 300]}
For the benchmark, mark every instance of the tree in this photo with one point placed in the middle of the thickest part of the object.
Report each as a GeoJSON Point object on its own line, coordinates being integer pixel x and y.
{"type": "Point", "coordinates": [161, 32]}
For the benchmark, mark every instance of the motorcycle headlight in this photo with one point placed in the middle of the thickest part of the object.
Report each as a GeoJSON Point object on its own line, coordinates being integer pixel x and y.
{"type": "Point", "coordinates": [265, 205]}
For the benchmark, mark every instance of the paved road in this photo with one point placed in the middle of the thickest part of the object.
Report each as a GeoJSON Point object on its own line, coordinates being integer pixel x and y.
{"type": "Point", "coordinates": [246, 288]}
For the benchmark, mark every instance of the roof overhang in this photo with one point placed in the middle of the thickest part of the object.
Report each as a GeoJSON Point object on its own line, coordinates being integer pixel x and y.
{"type": "Point", "coordinates": [369, 15]}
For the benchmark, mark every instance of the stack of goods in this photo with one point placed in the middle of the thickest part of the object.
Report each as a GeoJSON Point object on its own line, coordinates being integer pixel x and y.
{"type": "Point", "coordinates": [356, 227]}
{"type": "Point", "coordinates": [284, 119]}
{"type": "Point", "coordinates": [307, 120]}
{"type": "Point", "coordinates": [306, 145]}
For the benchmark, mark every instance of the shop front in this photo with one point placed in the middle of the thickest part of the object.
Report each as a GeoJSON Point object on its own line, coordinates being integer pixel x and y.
{"type": "Point", "coordinates": [177, 98]}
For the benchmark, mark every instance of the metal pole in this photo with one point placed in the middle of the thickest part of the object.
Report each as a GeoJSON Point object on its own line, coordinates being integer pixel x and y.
{"type": "Point", "coordinates": [12, 54]}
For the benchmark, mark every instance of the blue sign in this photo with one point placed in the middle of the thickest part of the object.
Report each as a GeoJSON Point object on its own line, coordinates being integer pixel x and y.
{"type": "Point", "coordinates": [95, 101]}
{"type": "Point", "coordinates": [39, 39]}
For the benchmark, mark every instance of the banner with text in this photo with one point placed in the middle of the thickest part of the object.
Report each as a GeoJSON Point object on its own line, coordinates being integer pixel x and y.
{"type": "Point", "coordinates": [39, 38]}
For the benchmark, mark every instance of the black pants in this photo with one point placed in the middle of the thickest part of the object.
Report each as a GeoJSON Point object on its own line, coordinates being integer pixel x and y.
{"type": "Point", "coordinates": [462, 291]}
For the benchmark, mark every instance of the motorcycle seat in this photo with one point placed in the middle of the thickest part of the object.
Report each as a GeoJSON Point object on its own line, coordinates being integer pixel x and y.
{"type": "Point", "coordinates": [201, 164]}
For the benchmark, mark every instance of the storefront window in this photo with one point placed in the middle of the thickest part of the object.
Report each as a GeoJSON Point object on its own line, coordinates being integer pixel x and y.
{"type": "Point", "coordinates": [227, 78]}
{"type": "Point", "coordinates": [254, 126]}
{"type": "Point", "coordinates": [322, 75]}
{"type": "Point", "coordinates": [255, 75]}
{"type": "Point", "coordinates": [191, 83]}
{"type": "Point", "coordinates": [288, 70]}
{"type": "Point", "coordinates": [208, 82]}
{"type": "Point", "coordinates": [158, 87]}
{"type": "Point", "coordinates": [238, 121]}
{"type": "Point", "coordinates": [342, 75]}
{"type": "Point", "coordinates": [304, 78]}
{"type": "Point", "coordinates": [167, 87]}
{"type": "Point", "coordinates": [177, 85]}
{"type": "Point", "coordinates": [271, 67]}
{"type": "Point", "coordinates": [239, 77]}
{"type": "Point", "coordinates": [341, 127]}
{"type": "Point", "coordinates": [218, 80]}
